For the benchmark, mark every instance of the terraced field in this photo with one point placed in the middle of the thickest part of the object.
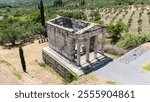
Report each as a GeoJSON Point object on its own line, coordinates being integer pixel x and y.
{"type": "Point", "coordinates": [112, 15]}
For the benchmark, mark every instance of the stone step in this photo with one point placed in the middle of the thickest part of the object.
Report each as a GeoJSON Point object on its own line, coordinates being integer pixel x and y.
{"type": "Point", "coordinates": [97, 65]}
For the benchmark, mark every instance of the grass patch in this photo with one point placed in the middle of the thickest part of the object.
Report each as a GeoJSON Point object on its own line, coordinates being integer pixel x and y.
{"type": "Point", "coordinates": [147, 67]}
{"type": "Point", "coordinates": [48, 68]}
{"type": "Point", "coordinates": [4, 62]}
{"type": "Point", "coordinates": [17, 75]}
{"type": "Point", "coordinates": [70, 76]}
{"type": "Point", "coordinates": [107, 40]}
{"type": "Point", "coordinates": [111, 82]}
{"type": "Point", "coordinates": [4, 74]}
{"type": "Point", "coordinates": [131, 41]}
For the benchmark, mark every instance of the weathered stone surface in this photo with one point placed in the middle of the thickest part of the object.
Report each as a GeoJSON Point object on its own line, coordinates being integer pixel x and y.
{"type": "Point", "coordinates": [71, 38]}
{"type": "Point", "coordinates": [58, 67]}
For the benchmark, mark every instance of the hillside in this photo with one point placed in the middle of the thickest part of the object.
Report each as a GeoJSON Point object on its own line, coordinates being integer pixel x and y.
{"type": "Point", "coordinates": [16, 3]}
{"type": "Point", "coordinates": [128, 24]}
{"type": "Point", "coordinates": [66, 2]}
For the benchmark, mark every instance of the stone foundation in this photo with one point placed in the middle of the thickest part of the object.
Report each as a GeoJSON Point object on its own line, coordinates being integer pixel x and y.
{"type": "Point", "coordinates": [69, 39]}
{"type": "Point", "coordinates": [54, 63]}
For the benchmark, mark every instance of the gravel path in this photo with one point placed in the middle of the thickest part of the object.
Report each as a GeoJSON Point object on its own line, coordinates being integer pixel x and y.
{"type": "Point", "coordinates": [127, 74]}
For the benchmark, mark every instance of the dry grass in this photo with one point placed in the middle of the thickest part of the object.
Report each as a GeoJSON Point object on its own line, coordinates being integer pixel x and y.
{"type": "Point", "coordinates": [111, 82]}
{"type": "Point", "coordinates": [90, 79]}
{"type": "Point", "coordinates": [146, 67]}
{"type": "Point", "coordinates": [146, 46]}
{"type": "Point", "coordinates": [134, 25]}
{"type": "Point", "coordinates": [38, 73]}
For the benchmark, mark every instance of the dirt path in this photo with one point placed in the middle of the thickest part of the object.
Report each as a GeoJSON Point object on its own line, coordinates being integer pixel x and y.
{"type": "Point", "coordinates": [7, 78]}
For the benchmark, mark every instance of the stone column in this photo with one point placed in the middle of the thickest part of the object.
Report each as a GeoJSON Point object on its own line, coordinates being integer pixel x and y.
{"type": "Point", "coordinates": [78, 53]}
{"type": "Point", "coordinates": [87, 48]}
{"type": "Point", "coordinates": [103, 42]}
{"type": "Point", "coordinates": [95, 46]}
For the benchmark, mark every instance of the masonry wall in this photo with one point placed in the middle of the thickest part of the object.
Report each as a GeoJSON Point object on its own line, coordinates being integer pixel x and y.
{"type": "Point", "coordinates": [58, 67]}
{"type": "Point", "coordinates": [61, 41]}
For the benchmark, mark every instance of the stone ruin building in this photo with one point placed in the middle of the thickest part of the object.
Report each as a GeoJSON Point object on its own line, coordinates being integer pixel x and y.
{"type": "Point", "coordinates": [72, 44]}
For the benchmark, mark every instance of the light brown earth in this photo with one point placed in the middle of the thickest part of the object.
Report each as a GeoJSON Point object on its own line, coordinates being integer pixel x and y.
{"type": "Point", "coordinates": [1, 17]}
{"type": "Point", "coordinates": [37, 72]}
{"type": "Point", "coordinates": [7, 77]}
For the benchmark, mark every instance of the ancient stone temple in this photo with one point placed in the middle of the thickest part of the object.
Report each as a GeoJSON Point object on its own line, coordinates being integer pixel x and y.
{"type": "Point", "coordinates": [73, 44]}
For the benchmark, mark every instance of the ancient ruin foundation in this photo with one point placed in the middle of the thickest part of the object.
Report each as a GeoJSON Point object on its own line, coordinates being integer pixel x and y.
{"type": "Point", "coordinates": [70, 39]}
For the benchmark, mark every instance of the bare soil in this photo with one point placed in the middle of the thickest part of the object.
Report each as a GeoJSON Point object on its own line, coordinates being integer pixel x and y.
{"type": "Point", "coordinates": [37, 73]}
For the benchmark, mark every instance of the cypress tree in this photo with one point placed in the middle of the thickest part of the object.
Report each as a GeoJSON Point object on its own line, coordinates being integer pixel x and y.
{"type": "Point", "coordinates": [42, 13]}
{"type": "Point", "coordinates": [23, 63]}
{"type": "Point", "coordinates": [58, 3]}
{"type": "Point", "coordinates": [41, 7]}
{"type": "Point", "coordinates": [82, 2]}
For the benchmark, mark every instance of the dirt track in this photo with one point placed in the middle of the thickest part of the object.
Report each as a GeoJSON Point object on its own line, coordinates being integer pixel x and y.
{"type": "Point", "coordinates": [6, 77]}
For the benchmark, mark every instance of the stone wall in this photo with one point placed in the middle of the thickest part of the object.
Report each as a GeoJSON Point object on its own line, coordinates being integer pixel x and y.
{"type": "Point", "coordinates": [58, 67]}
{"type": "Point", "coordinates": [61, 41]}
{"type": "Point", "coordinates": [74, 24]}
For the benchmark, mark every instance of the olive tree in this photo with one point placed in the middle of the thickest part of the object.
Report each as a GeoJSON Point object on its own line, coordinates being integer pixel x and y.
{"type": "Point", "coordinates": [11, 33]}
{"type": "Point", "coordinates": [115, 31]}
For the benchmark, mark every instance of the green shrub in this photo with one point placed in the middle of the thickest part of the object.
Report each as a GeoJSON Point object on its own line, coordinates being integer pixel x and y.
{"type": "Point", "coordinates": [139, 29]}
{"type": "Point", "coordinates": [95, 15]}
{"type": "Point", "coordinates": [147, 67]}
{"type": "Point", "coordinates": [115, 31]}
{"type": "Point", "coordinates": [140, 21]}
{"type": "Point", "coordinates": [131, 40]}
{"type": "Point", "coordinates": [17, 75]}
{"type": "Point", "coordinates": [70, 76]}
{"type": "Point", "coordinates": [74, 14]}
{"type": "Point", "coordinates": [38, 29]}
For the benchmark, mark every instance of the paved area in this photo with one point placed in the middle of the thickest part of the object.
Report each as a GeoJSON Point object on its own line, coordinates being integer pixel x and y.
{"type": "Point", "coordinates": [130, 73]}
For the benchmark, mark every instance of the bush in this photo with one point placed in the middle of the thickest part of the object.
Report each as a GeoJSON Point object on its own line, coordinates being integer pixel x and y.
{"type": "Point", "coordinates": [95, 15]}
{"type": "Point", "coordinates": [35, 17]}
{"type": "Point", "coordinates": [115, 31]}
{"type": "Point", "coordinates": [75, 14]}
{"type": "Point", "coordinates": [70, 76]}
{"type": "Point", "coordinates": [17, 75]}
{"type": "Point", "coordinates": [131, 40]}
{"type": "Point", "coordinates": [38, 29]}
{"type": "Point", "coordinates": [140, 21]}
{"type": "Point", "coordinates": [139, 29]}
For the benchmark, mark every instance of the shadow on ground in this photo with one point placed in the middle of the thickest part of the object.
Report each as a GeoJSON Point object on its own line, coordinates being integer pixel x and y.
{"type": "Point", "coordinates": [100, 63]}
